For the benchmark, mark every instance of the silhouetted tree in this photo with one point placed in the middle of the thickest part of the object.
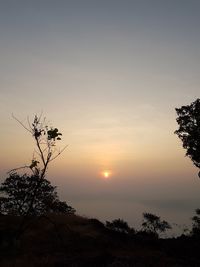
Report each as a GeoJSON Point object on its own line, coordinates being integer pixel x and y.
{"type": "Point", "coordinates": [46, 151]}
{"type": "Point", "coordinates": [196, 223]}
{"type": "Point", "coordinates": [32, 194]}
{"type": "Point", "coordinates": [153, 224]}
{"type": "Point", "coordinates": [189, 130]}
{"type": "Point", "coordinates": [18, 191]}
{"type": "Point", "coordinates": [118, 225]}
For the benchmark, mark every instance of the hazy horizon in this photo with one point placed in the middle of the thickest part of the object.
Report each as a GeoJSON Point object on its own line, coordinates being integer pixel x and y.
{"type": "Point", "coordinates": [109, 75]}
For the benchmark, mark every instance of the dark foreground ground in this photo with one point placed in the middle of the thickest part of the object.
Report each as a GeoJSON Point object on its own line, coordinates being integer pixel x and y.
{"type": "Point", "coordinates": [74, 241]}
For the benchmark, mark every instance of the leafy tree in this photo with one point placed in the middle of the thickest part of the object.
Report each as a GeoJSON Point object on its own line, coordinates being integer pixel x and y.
{"type": "Point", "coordinates": [118, 225]}
{"type": "Point", "coordinates": [153, 224]}
{"type": "Point", "coordinates": [196, 223]}
{"type": "Point", "coordinates": [189, 130]}
{"type": "Point", "coordinates": [33, 194]}
{"type": "Point", "coordinates": [18, 190]}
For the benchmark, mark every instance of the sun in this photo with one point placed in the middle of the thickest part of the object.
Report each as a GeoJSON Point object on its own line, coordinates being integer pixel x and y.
{"type": "Point", "coordinates": [106, 174]}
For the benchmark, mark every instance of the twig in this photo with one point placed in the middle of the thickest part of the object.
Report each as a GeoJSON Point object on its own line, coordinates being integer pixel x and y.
{"type": "Point", "coordinates": [21, 124]}
{"type": "Point", "coordinates": [16, 169]}
{"type": "Point", "coordinates": [61, 151]}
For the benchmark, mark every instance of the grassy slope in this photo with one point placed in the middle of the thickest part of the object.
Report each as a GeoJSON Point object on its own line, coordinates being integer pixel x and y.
{"type": "Point", "coordinates": [70, 240]}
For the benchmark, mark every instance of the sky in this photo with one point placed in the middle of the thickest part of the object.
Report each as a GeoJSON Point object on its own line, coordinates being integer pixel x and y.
{"type": "Point", "coordinates": [109, 75]}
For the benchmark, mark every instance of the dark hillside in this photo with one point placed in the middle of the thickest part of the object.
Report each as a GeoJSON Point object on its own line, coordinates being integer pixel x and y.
{"type": "Point", "coordinates": [71, 240]}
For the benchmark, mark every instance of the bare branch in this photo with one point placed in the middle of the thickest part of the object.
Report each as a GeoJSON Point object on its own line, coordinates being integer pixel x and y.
{"type": "Point", "coordinates": [21, 124]}
{"type": "Point", "coordinates": [61, 151]}
{"type": "Point", "coordinates": [40, 150]}
{"type": "Point", "coordinates": [29, 124]}
{"type": "Point", "coordinates": [19, 168]}
{"type": "Point", "coordinates": [39, 118]}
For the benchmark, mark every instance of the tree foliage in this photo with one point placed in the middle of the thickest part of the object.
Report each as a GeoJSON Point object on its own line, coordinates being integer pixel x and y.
{"type": "Point", "coordinates": [153, 224]}
{"type": "Point", "coordinates": [18, 192]}
{"type": "Point", "coordinates": [33, 194]}
{"type": "Point", "coordinates": [46, 151]}
{"type": "Point", "coordinates": [189, 130]}
{"type": "Point", "coordinates": [196, 223]}
{"type": "Point", "coordinates": [118, 225]}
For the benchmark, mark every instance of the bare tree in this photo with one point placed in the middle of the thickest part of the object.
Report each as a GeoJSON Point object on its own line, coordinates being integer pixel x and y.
{"type": "Point", "coordinates": [45, 139]}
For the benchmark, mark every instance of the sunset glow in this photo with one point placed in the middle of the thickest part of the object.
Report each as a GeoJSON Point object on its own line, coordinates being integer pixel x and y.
{"type": "Point", "coordinates": [106, 174]}
{"type": "Point", "coordinates": [108, 75]}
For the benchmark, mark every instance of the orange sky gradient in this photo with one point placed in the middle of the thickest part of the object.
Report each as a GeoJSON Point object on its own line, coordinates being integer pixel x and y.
{"type": "Point", "coordinates": [108, 75]}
